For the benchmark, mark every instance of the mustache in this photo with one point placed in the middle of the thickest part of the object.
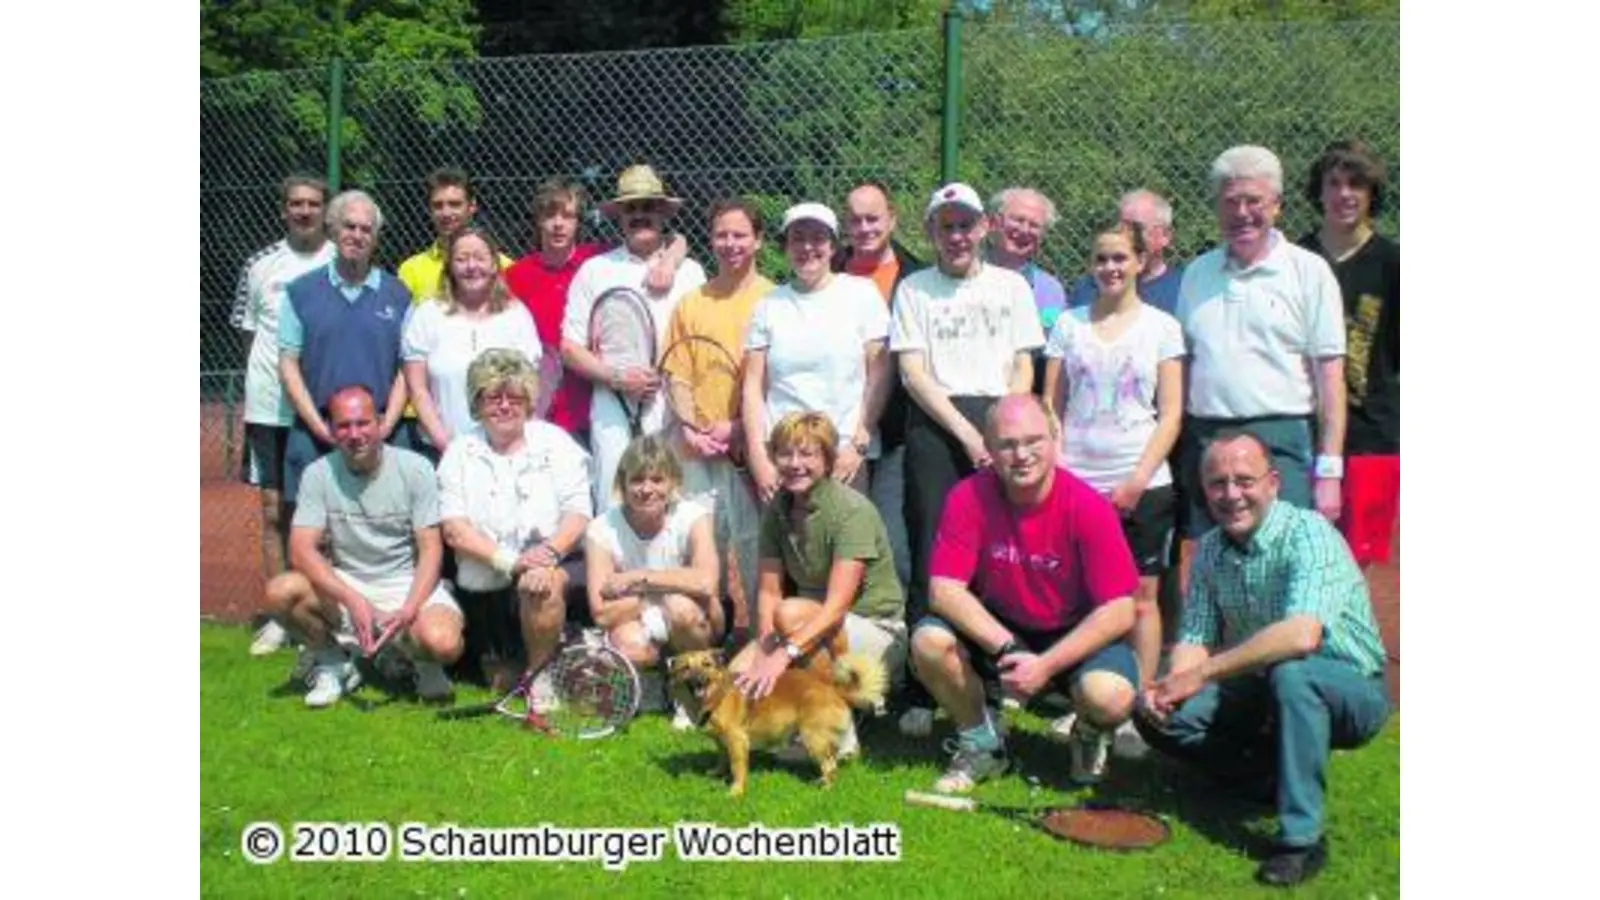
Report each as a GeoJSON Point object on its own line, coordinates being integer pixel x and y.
{"type": "Point", "coordinates": [642, 222]}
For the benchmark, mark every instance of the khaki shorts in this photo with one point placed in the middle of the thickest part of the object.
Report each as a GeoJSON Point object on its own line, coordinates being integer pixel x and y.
{"type": "Point", "coordinates": [882, 639]}
{"type": "Point", "coordinates": [735, 517]}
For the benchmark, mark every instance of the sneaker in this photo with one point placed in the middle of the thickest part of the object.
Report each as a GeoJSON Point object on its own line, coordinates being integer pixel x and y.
{"type": "Point", "coordinates": [269, 639]}
{"type": "Point", "coordinates": [1128, 743]}
{"type": "Point", "coordinates": [916, 722]}
{"type": "Point", "coordinates": [432, 684]}
{"type": "Point", "coordinates": [680, 718]}
{"type": "Point", "coordinates": [849, 745]}
{"type": "Point", "coordinates": [1091, 750]}
{"type": "Point", "coordinates": [331, 677]}
{"type": "Point", "coordinates": [969, 766]}
{"type": "Point", "coordinates": [1289, 866]}
{"type": "Point", "coordinates": [1061, 729]}
{"type": "Point", "coordinates": [542, 697]}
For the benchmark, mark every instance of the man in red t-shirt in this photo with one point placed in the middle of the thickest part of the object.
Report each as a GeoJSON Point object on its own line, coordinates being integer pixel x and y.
{"type": "Point", "coordinates": [1046, 555]}
{"type": "Point", "coordinates": [540, 280]}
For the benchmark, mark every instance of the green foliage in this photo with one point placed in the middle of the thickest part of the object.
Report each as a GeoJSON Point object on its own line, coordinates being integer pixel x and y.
{"type": "Point", "coordinates": [265, 757]}
{"type": "Point", "coordinates": [239, 36]}
{"type": "Point", "coordinates": [768, 20]}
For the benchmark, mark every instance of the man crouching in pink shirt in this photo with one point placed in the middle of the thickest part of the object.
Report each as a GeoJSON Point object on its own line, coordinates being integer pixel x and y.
{"type": "Point", "coordinates": [1032, 581]}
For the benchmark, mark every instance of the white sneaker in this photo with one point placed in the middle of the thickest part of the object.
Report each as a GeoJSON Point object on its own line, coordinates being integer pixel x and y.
{"type": "Point", "coordinates": [1090, 750]}
{"type": "Point", "coordinates": [269, 639]}
{"type": "Point", "coordinates": [916, 722]}
{"type": "Point", "coordinates": [680, 718]}
{"type": "Point", "coordinates": [1061, 729]}
{"type": "Point", "coordinates": [432, 683]}
{"type": "Point", "coordinates": [849, 745]}
{"type": "Point", "coordinates": [542, 697]}
{"type": "Point", "coordinates": [332, 675]}
{"type": "Point", "coordinates": [1128, 743]}
{"type": "Point", "coordinates": [969, 765]}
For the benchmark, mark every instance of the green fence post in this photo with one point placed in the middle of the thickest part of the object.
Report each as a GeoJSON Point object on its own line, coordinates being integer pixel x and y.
{"type": "Point", "coordinates": [335, 120]}
{"type": "Point", "coordinates": [951, 135]}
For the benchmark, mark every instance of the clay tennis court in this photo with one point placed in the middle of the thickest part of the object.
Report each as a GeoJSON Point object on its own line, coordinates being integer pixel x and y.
{"type": "Point", "coordinates": [230, 542]}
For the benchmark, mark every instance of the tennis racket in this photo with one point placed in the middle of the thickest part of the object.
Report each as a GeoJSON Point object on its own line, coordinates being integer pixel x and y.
{"type": "Point", "coordinates": [596, 692]}
{"type": "Point", "coordinates": [1105, 827]}
{"type": "Point", "coordinates": [701, 381]}
{"type": "Point", "coordinates": [622, 332]}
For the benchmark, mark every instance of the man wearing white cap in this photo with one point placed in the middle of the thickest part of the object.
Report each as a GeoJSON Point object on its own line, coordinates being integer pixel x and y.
{"type": "Point", "coordinates": [640, 208]}
{"type": "Point", "coordinates": [964, 332]}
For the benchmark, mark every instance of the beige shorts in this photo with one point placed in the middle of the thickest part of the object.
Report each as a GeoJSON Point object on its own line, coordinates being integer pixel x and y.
{"type": "Point", "coordinates": [883, 639]}
{"type": "Point", "coordinates": [389, 594]}
{"type": "Point", "coordinates": [735, 517]}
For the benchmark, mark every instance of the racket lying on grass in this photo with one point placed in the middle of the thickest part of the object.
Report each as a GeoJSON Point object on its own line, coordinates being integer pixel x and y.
{"type": "Point", "coordinates": [1109, 828]}
{"type": "Point", "coordinates": [596, 692]}
{"type": "Point", "coordinates": [701, 381]}
{"type": "Point", "coordinates": [622, 332]}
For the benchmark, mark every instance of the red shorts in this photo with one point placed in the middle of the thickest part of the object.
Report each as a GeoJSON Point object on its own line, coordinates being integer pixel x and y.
{"type": "Point", "coordinates": [1370, 506]}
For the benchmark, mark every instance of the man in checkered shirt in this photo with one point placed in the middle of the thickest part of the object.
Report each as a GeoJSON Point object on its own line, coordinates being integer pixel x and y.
{"type": "Point", "coordinates": [1278, 658]}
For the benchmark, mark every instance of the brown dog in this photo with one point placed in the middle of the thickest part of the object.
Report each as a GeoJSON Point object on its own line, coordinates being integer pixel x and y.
{"type": "Point", "coordinates": [802, 701]}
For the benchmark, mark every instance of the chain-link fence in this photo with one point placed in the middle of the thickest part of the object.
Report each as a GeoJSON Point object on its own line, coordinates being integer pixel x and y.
{"type": "Point", "coordinates": [1082, 118]}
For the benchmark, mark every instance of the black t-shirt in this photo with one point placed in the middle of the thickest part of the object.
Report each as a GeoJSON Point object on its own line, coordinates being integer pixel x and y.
{"type": "Point", "coordinates": [1370, 283]}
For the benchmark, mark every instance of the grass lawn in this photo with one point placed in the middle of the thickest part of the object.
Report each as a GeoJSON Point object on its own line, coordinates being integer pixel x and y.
{"type": "Point", "coordinates": [264, 756]}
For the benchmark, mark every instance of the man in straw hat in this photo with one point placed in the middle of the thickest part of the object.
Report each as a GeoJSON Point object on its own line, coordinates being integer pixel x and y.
{"type": "Point", "coordinates": [640, 210]}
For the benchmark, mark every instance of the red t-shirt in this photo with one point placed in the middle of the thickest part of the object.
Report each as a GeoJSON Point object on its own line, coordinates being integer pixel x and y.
{"type": "Point", "coordinates": [544, 292]}
{"type": "Point", "coordinates": [1039, 569]}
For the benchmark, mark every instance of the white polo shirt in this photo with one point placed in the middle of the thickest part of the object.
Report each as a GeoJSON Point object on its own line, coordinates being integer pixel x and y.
{"type": "Point", "coordinates": [969, 329]}
{"type": "Point", "coordinates": [1255, 333]}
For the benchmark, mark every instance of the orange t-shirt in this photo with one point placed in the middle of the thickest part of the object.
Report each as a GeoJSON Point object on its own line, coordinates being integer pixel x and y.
{"type": "Point", "coordinates": [882, 274]}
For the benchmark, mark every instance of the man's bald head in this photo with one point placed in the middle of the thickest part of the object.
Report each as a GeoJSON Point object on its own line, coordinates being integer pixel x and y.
{"type": "Point", "coordinates": [1022, 437]}
{"type": "Point", "coordinates": [869, 220]}
{"type": "Point", "coordinates": [1020, 409]}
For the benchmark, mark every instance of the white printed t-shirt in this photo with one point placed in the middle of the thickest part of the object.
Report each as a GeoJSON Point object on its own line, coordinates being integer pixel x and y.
{"type": "Point", "coordinates": [262, 286]}
{"type": "Point", "coordinates": [448, 343]}
{"type": "Point", "coordinates": [969, 329]}
{"type": "Point", "coordinates": [1254, 333]}
{"type": "Point", "coordinates": [1110, 409]}
{"type": "Point", "coordinates": [669, 549]}
{"type": "Point", "coordinates": [620, 268]}
{"type": "Point", "coordinates": [814, 344]}
{"type": "Point", "coordinates": [517, 500]}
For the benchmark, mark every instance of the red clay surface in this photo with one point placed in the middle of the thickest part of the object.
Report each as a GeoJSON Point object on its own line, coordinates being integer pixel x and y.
{"type": "Point", "coordinates": [230, 544]}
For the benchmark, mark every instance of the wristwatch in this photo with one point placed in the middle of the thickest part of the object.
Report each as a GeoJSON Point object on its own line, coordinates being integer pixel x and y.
{"type": "Point", "coordinates": [793, 650]}
{"type": "Point", "coordinates": [1009, 647]}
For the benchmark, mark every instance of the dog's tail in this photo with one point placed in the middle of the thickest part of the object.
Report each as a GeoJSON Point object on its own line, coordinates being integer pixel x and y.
{"type": "Point", "coordinates": [862, 680]}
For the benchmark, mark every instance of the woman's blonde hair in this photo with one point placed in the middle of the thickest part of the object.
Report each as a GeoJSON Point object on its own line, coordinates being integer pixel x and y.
{"type": "Point", "coordinates": [799, 428]}
{"type": "Point", "coordinates": [501, 368]}
{"type": "Point", "coordinates": [645, 455]}
{"type": "Point", "coordinates": [499, 294]}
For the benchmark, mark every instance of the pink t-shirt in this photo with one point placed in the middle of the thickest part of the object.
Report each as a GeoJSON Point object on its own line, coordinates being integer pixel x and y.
{"type": "Point", "coordinates": [1038, 569]}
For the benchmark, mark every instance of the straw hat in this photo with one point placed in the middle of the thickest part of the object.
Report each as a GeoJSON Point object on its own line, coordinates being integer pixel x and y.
{"type": "Point", "coordinates": [639, 183]}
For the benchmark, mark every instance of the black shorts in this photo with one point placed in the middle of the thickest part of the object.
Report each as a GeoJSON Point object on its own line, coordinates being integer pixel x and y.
{"type": "Point", "coordinates": [493, 618]}
{"type": "Point", "coordinates": [1149, 529]}
{"type": "Point", "coordinates": [262, 464]}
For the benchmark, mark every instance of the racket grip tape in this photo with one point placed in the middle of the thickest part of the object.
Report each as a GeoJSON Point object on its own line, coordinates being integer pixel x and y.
{"type": "Point", "coordinates": [941, 801]}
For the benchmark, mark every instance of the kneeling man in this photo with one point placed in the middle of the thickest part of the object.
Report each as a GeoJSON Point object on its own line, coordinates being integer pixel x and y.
{"type": "Point", "coordinates": [378, 506]}
{"type": "Point", "coordinates": [1046, 555]}
{"type": "Point", "coordinates": [1299, 664]}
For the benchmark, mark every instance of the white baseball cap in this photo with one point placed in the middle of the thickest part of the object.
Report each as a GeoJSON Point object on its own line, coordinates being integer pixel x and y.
{"type": "Point", "coordinates": [815, 212]}
{"type": "Point", "coordinates": [955, 193]}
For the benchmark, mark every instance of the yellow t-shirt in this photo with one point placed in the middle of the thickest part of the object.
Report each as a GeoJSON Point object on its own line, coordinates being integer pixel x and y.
{"type": "Point", "coordinates": [723, 318]}
{"type": "Point", "coordinates": [420, 274]}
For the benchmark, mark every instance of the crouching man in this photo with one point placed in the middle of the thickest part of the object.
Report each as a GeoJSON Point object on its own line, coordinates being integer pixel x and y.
{"type": "Point", "coordinates": [378, 506]}
{"type": "Point", "coordinates": [1045, 553]}
{"type": "Point", "coordinates": [1298, 667]}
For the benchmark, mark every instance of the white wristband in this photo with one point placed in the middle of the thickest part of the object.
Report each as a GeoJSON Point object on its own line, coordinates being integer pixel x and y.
{"type": "Point", "coordinates": [1329, 467]}
{"type": "Point", "coordinates": [504, 561]}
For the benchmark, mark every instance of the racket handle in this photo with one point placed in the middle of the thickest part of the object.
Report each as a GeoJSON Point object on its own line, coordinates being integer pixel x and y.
{"type": "Point", "coordinates": [941, 801]}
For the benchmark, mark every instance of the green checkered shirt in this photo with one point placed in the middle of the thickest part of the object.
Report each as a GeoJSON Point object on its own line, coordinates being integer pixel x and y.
{"type": "Point", "coordinates": [1296, 564]}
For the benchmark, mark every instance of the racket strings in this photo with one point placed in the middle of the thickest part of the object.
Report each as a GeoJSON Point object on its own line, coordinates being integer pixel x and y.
{"type": "Point", "coordinates": [703, 381]}
{"type": "Point", "coordinates": [622, 333]}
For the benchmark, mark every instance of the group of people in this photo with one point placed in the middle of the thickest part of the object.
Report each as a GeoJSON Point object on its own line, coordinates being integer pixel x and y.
{"type": "Point", "coordinates": [967, 469]}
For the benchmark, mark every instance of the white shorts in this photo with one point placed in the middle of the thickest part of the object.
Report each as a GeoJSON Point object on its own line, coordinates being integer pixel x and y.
{"type": "Point", "coordinates": [882, 639]}
{"type": "Point", "coordinates": [389, 594]}
{"type": "Point", "coordinates": [735, 517]}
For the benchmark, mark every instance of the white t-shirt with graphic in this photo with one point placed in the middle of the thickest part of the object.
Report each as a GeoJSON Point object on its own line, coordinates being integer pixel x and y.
{"type": "Point", "coordinates": [669, 549]}
{"type": "Point", "coordinates": [814, 343]}
{"type": "Point", "coordinates": [260, 296]}
{"type": "Point", "coordinates": [1110, 408]}
{"type": "Point", "coordinates": [449, 342]}
{"type": "Point", "coordinates": [969, 329]}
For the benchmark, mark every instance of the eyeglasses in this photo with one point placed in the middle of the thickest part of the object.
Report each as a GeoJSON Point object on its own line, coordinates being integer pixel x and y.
{"type": "Point", "coordinates": [506, 398]}
{"type": "Point", "coordinates": [634, 207]}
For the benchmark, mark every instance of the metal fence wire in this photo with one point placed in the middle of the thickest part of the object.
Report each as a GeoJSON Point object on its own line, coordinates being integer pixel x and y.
{"type": "Point", "coordinates": [1083, 119]}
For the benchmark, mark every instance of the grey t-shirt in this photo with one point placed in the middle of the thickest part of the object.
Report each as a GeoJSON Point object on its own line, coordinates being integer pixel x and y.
{"type": "Point", "coordinates": [371, 520]}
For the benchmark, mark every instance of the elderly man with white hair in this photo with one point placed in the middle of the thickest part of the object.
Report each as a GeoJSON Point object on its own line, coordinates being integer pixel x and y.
{"type": "Point", "coordinates": [1264, 321]}
{"type": "Point", "coordinates": [1019, 219]}
{"type": "Point", "coordinates": [1159, 280]}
